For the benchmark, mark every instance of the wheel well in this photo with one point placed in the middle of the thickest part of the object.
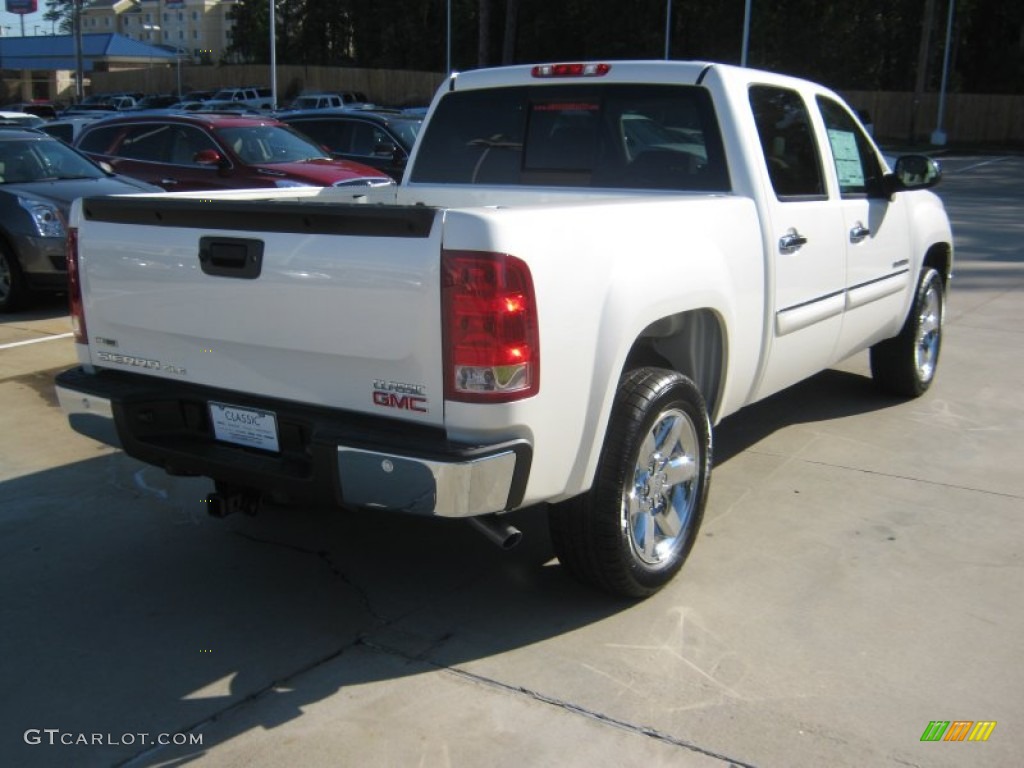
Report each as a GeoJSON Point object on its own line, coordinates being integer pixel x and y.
{"type": "Point", "coordinates": [939, 258]}
{"type": "Point", "coordinates": [691, 343]}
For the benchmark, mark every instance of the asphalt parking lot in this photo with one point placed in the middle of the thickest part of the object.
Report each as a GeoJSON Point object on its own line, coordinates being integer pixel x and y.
{"type": "Point", "coordinates": [859, 575]}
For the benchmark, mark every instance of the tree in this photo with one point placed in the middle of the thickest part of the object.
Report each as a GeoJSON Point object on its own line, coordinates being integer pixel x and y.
{"type": "Point", "coordinates": [855, 45]}
{"type": "Point", "coordinates": [508, 48]}
{"type": "Point", "coordinates": [61, 13]}
{"type": "Point", "coordinates": [250, 32]}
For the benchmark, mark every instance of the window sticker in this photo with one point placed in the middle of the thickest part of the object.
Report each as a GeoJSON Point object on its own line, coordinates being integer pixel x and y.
{"type": "Point", "coordinates": [847, 157]}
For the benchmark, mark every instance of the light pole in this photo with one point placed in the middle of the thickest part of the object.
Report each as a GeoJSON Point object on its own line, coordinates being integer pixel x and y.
{"type": "Point", "coordinates": [177, 57]}
{"type": "Point", "coordinates": [939, 135]}
{"type": "Point", "coordinates": [79, 61]}
{"type": "Point", "coordinates": [273, 54]}
{"type": "Point", "coordinates": [746, 33]}
{"type": "Point", "coordinates": [668, 27]}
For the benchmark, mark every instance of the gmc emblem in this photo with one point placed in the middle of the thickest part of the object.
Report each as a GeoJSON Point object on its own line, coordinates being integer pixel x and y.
{"type": "Point", "coordinates": [402, 402]}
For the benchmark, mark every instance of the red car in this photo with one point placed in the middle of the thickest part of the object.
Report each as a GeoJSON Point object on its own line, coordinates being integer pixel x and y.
{"type": "Point", "coordinates": [185, 152]}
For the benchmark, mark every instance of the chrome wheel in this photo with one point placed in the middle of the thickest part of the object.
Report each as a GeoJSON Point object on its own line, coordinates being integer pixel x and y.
{"type": "Point", "coordinates": [632, 532]}
{"type": "Point", "coordinates": [929, 329]}
{"type": "Point", "coordinates": [657, 509]}
{"type": "Point", "coordinates": [905, 365]}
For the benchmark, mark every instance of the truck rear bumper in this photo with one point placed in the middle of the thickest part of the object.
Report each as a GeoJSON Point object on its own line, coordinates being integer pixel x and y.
{"type": "Point", "coordinates": [326, 456]}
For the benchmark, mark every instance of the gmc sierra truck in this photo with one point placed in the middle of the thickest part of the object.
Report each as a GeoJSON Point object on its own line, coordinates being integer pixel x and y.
{"type": "Point", "coordinates": [585, 267]}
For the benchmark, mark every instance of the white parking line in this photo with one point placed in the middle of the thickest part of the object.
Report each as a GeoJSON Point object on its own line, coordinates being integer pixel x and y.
{"type": "Point", "coordinates": [36, 341]}
{"type": "Point", "coordinates": [979, 165]}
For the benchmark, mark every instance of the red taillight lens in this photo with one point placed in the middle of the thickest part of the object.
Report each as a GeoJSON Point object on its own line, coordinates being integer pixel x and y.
{"type": "Point", "coordinates": [571, 70]}
{"type": "Point", "coordinates": [491, 342]}
{"type": "Point", "coordinates": [75, 288]}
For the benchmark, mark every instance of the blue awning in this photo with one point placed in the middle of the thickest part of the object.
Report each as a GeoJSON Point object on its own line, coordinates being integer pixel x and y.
{"type": "Point", "coordinates": [52, 52]}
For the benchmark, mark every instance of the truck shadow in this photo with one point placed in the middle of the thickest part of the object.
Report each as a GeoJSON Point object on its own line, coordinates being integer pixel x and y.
{"type": "Point", "coordinates": [45, 306]}
{"type": "Point", "coordinates": [127, 609]}
{"type": "Point", "coordinates": [831, 394]}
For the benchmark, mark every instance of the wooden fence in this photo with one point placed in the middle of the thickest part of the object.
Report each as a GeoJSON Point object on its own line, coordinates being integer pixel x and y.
{"type": "Point", "coordinates": [968, 118]}
{"type": "Point", "coordinates": [382, 86]}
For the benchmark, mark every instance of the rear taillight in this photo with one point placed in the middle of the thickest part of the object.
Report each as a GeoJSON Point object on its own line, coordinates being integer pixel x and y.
{"type": "Point", "coordinates": [571, 70]}
{"type": "Point", "coordinates": [491, 341]}
{"type": "Point", "coordinates": [75, 289]}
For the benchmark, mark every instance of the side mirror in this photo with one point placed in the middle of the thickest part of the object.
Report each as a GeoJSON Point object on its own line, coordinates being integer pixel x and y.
{"type": "Point", "coordinates": [207, 157]}
{"type": "Point", "coordinates": [384, 149]}
{"type": "Point", "coordinates": [914, 172]}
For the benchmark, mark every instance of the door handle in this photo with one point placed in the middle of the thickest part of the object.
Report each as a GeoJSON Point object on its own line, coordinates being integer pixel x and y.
{"type": "Point", "coordinates": [791, 242]}
{"type": "Point", "coordinates": [168, 182]}
{"type": "Point", "coordinates": [859, 232]}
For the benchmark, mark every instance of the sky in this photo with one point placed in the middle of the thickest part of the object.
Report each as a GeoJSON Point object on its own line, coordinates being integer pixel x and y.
{"type": "Point", "coordinates": [32, 20]}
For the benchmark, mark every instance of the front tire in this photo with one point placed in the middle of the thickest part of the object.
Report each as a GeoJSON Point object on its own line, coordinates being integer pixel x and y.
{"type": "Point", "coordinates": [905, 364]}
{"type": "Point", "coordinates": [632, 532]}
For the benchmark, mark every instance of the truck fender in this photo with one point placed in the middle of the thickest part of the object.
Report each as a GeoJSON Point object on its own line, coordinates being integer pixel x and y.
{"type": "Point", "coordinates": [634, 306]}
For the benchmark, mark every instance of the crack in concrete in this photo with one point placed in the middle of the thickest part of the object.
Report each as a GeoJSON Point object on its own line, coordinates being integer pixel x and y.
{"type": "Point", "coordinates": [362, 640]}
{"type": "Point", "coordinates": [332, 567]}
{"type": "Point", "coordinates": [891, 476]}
{"type": "Point", "coordinates": [568, 706]}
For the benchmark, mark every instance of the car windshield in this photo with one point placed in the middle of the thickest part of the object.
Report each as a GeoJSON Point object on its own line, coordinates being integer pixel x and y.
{"type": "Point", "coordinates": [259, 144]}
{"type": "Point", "coordinates": [46, 160]}
{"type": "Point", "coordinates": [407, 130]}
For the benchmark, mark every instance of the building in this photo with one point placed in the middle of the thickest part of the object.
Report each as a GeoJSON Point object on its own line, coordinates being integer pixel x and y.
{"type": "Point", "coordinates": [44, 67]}
{"type": "Point", "coordinates": [198, 28]}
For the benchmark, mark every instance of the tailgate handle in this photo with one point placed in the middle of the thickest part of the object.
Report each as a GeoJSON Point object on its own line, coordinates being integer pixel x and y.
{"type": "Point", "coordinates": [231, 257]}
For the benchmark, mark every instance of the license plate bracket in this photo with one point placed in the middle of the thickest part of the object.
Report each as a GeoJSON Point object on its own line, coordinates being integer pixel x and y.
{"type": "Point", "coordinates": [249, 427]}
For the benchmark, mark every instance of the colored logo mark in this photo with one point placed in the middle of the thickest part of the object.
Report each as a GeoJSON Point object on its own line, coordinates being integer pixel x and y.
{"type": "Point", "coordinates": [958, 730]}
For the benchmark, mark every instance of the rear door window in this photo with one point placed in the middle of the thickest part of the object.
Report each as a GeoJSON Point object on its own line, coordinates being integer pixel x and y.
{"type": "Point", "coordinates": [787, 141]}
{"type": "Point", "coordinates": [150, 142]}
{"type": "Point", "coordinates": [618, 136]}
{"type": "Point", "coordinates": [101, 139]}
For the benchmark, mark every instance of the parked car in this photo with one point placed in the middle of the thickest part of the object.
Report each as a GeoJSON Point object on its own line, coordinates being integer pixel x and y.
{"type": "Point", "coordinates": [317, 101]}
{"type": "Point", "coordinates": [224, 107]}
{"type": "Point", "coordinates": [198, 96]}
{"type": "Point", "coordinates": [377, 139]}
{"type": "Point", "coordinates": [39, 178]}
{"type": "Point", "coordinates": [41, 108]}
{"type": "Point", "coordinates": [89, 108]}
{"type": "Point", "coordinates": [67, 128]}
{"type": "Point", "coordinates": [157, 101]}
{"type": "Point", "coordinates": [353, 97]}
{"type": "Point", "coordinates": [257, 98]}
{"type": "Point", "coordinates": [328, 100]}
{"type": "Point", "coordinates": [196, 151]}
{"type": "Point", "coordinates": [22, 119]}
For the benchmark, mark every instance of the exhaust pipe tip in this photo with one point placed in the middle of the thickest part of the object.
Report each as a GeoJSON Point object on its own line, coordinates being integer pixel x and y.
{"type": "Point", "coordinates": [496, 531]}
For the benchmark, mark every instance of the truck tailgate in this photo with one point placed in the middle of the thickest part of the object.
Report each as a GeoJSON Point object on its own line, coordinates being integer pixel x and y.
{"type": "Point", "coordinates": [318, 303]}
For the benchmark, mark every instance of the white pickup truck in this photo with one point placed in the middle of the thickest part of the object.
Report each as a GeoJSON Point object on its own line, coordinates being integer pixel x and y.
{"type": "Point", "coordinates": [584, 268]}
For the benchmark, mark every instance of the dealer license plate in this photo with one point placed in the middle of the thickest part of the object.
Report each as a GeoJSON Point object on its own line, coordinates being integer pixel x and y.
{"type": "Point", "coordinates": [250, 427]}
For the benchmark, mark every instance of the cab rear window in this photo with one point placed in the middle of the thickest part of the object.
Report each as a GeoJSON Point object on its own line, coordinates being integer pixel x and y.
{"type": "Point", "coordinates": [618, 136]}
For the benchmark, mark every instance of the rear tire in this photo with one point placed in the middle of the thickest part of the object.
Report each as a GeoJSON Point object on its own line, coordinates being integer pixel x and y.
{"type": "Point", "coordinates": [13, 291]}
{"type": "Point", "coordinates": [905, 364]}
{"type": "Point", "coordinates": [632, 532]}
